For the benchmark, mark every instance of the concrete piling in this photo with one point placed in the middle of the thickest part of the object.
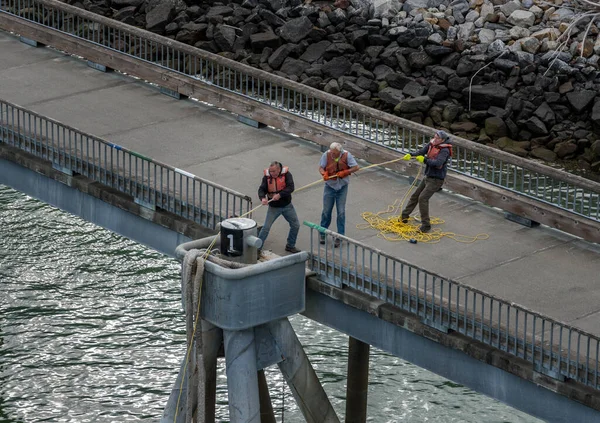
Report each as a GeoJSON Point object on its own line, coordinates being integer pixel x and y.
{"type": "Point", "coordinates": [358, 381]}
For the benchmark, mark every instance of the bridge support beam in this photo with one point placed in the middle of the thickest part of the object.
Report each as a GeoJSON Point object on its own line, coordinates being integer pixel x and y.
{"type": "Point", "coordinates": [358, 381]}
{"type": "Point", "coordinates": [300, 375]}
{"type": "Point", "coordinates": [242, 376]}
{"type": "Point", "coordinates": [266, 408]}
{"type": "Point", "coordinates": [212, 338]}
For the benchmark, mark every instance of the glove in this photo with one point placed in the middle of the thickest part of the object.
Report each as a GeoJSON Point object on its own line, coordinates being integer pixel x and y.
{"type": "Point", "coordinates": [420, 159]}
{"type": "Point", "coordinates": [407, 157]}
{"type": "Point", "coordinates": [343, 173]}
{"type": "Point", "coordinates": [325, 176]}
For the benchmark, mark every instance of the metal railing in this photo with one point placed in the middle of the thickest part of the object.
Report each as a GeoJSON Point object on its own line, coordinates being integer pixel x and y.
{"type": "Point", "coordinates": [561, 189]}
{"type": "Point", "coordinates": [151, 183]}
{"type": "Point", "coordinates": [554, 348]}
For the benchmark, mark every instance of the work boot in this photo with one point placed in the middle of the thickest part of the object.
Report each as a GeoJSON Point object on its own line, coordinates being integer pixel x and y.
{"type": "Point", "coordinates": [336, 243]}
{"type": "Point", "coordinates": [322, 239]}
{"type": "Point", "coordinates": [404, 219]}
{"type": "Point", "coordinates": [425, 228]}
{"type": "Point", "coordinates": [291, 249]}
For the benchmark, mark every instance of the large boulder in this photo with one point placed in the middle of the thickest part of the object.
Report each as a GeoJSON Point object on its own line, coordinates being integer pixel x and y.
{"type": "Point", "coordinates": [495, 127]}
{"type": "Point", "coordinates": [484, 96]}
{"type": "Point", "coordinates": [391, 96]}
{"type": "Point", "coordinates": [158, 17]}
{"type": "Point", "coordinates": [296, 30]}
{"type": "Point", "coordinates": [412, 105]}
{"type": "Point", "coordinates": [315, 51]}
{"type": "Point", "coordinates": [337, 67]}
{"type": "Point", "coordinates": [596, 113]}
{"type": "Point", "coordinates": [262, 40]}
{"type": "Point", "coordinates": [579, 100]}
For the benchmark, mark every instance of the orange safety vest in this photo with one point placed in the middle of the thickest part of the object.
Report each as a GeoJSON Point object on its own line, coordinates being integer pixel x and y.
{"type": "Point", "coordinates": [434, 150]}
{"type": "Point", "coordinates": [275, 185]}
{"type": "Point", "coordinates": [332, 167]}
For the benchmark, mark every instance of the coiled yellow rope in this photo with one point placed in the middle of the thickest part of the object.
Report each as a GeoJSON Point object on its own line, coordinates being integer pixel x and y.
{"type": "Point", "coordinates": [392, 228]}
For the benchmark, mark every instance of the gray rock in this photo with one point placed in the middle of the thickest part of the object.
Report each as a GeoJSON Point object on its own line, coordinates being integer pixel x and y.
{"type": "Point", "coordinates": [436, 39]}
{"type": "Point", "coordinates": [419, 59]}
{"type": "Point", "coordinates": [413, 89]}
{"type": "Point", "coordinates": [313, 81]}
{"type": "Point", "coordinates": [562, 14]}
{"type": "Point", "coordinates": [117, 4]}
{"type": "Point", "coordinates": [486, 36]}
{"type": "Point", "coordinates": [522, 18]}
{"type": "Point", "coordinates": [517, 32]}
{"type": "Point", "coordinates": [352, 87]}
{"type": "Point", "coordinates": [495, 127]}
{"type": "Point", "coordinates": [225, 37]}
{"type": "Point", "coordinates": [543, 154]}
{"type": "Point", "coordinates": [158, 18]}
{"type": "Point", "coordinates": [381, 72]}
{"type": "Point", "coordinates": [315, 51]}
{"type": "Point", "coordinates": [437, 92]}
{"type": "Point", "coordinates": [373, 51]}
{"type": "Point", "coordinates": [366, 83]}
{"type": "Point", "coordinates": [337, 16]}
{"type": "Point", "coordinates": [397, 80]}
{"type": "Point", "coordinates": [536, 126]}
{"type": "Point", "coordinates": [262, 40]}
{"type": "Point", "coordinates": [530, 44]}
{"type": "Point", "coordinates": [338, 49]}
{"type": "Point", "coordinates": [443, 73]}
{"type": "Point", "coordinates": [496, 48]}
{"type": "Point", "coordinates": [391, 96]}
{"type": "Point", "coordinates": [500, 112]}
{"type": "Point", "coordinates": [294, 66]}
{"type": "Point", "coordinates": [565, 148]}
{"type": "Point", "coordinates": [596, 113]}
{"type": "Point", "coordinates": [296, 30]}
{"type": "Point", "coordinates": [323, 20]}
{"type": "Point", "coordinates": [466, 30]}
{"type": "Point", "coordinates": [271, 18]}
{"type": "Point", "coordinates": [409, 5]}
{"type": "Point", "coordinates": [190, 33]}
{"type": "Point", "coordinates": [337, 67]}
{"type": "Point", "coordinates": [412, 105]}
{"type": "Point", "coordinates": [508, 8]}
{"type": "Point", "coordinates": [278, 56]}
{"type": "Point", "coordinates": [437, 51]}
{"type": "Point", "coordinates": [505, 65]}
{"type": "Point", "coordinates": [484, 96]}
{"type": "Point", "coordinates": [545, 113]}
{"type": "Point", "coordinates": [359, 39]}
{"type": "Point", "coordinates": [579, 100]}
{"type": "Point", "coordinates": [219, 11]}
{"type": "Point", "coordinates": [125, 13]}
{"type": "Point", "coordinates": [451, 112]}
{"type": "Point", "coordinates": [332, 87]}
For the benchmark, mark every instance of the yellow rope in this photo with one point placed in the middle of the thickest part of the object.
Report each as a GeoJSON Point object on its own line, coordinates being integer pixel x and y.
{"type": "Point", "coordinates": [393, 229]}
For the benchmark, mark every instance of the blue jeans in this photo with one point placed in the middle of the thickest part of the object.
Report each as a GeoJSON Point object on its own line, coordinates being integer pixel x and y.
{"type": "Point", "coordinates": [289, 214]}
{"type": "Point", "coordinates": [337, 197]}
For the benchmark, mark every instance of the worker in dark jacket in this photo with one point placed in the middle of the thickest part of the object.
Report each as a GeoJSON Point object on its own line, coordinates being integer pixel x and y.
{"type": "Point", "coordinates": [276, 191]}
{"type": "Point", "coordinates": [435, 155]}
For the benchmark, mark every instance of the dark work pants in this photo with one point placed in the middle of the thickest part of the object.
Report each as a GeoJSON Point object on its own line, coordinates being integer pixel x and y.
{"type": "Point", "coordinates": [421, 196]}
